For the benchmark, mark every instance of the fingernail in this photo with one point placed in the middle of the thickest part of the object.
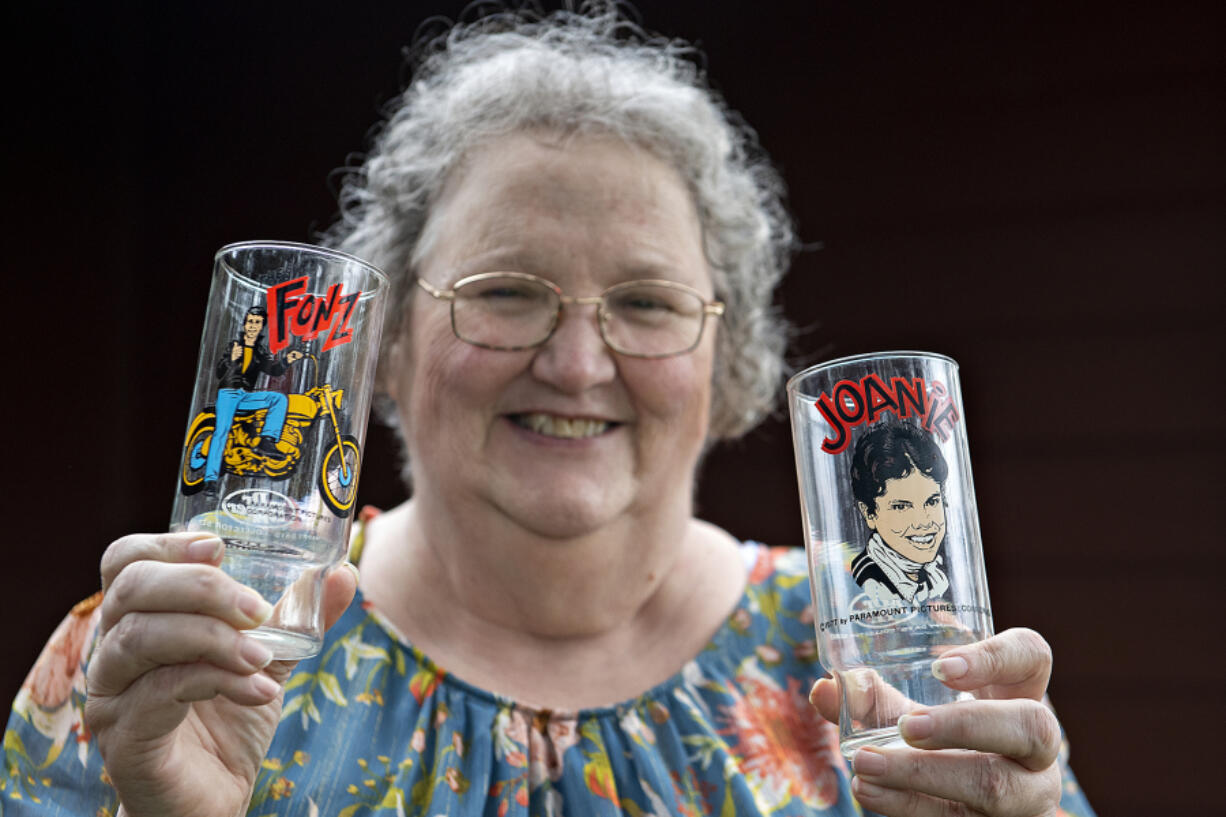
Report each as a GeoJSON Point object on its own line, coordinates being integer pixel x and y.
{"type": "Point", "coordinates": [208, 549]}
{"type": "Point", "coordinates": [253, 606]}
{"type": "Point", "coordinates": [265, 686]}
{"type": "Point", "coordinates": [255, 653]}
{"type": "Point", "coordinates": [354, 570]}
{"type": "Point", "coordinates": [865, 790]}
{"type": "Point", "coordinates": [915, 726]}
{"type": "Point", "coordinates": [868, 762]}
{"type": "Point", "coordinates": [947, 669]}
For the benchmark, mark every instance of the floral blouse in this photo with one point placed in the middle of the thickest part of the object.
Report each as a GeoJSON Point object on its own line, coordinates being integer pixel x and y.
{"type": "Point", "coordinates": [373, 726]}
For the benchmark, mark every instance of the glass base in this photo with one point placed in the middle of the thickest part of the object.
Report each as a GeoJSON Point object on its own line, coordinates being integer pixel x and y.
{"type": "Point", "coordinates": [874, 698]}
{"type": "Point", "coordinates": [286, 645]}
{"type": "Point", "coordinates": [886, 736]}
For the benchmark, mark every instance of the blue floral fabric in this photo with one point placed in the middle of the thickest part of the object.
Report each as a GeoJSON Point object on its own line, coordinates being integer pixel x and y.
{"type": "Point", "coordinates": [373, 726]}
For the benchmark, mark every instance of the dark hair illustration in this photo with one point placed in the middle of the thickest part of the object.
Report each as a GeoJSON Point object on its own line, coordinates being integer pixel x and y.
{"type": "Point", "coordinates": [891, 451]}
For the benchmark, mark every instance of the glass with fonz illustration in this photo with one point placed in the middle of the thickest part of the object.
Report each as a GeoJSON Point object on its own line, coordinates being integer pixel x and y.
{"type": "Point", "coordinates": [274, 439]}
{"type": "Point", "coordinates": [892, 533]}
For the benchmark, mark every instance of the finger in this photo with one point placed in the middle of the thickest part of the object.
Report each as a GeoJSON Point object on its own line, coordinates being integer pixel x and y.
{"type": "Point", "coordinates": [189, 546]}
{"type": "Point", "coordinates": [1021, 729]}
{"type": "Point", "coordinates": [916, 781]}
{"type": "Point", "coordinates": [149, 586]}
{"type": "Point", "coordinates": [143, 642]}
{"type": "Point", "coordinates": [900, 803]}
{"type": "Point", "coordinates": [870, 701]}
{"type": "Point", "coordinates": [340, 585]}
{"type": "Point", "coordinates": [1014, 664]}
{"type": "Point", "coordinates": [156, 704]}
{"type": "Point", "coordinates": [825, 698]}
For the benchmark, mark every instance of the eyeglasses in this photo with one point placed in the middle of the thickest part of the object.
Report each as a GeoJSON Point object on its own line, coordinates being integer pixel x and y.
{"type": "Point", "coordinates": [515, 310]}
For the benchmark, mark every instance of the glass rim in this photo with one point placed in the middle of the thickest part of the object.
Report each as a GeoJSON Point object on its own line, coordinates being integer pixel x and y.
{"type": "Point", "coordinates": [297, 246]}
{"type": "Point", "coordinates": [793, 384]}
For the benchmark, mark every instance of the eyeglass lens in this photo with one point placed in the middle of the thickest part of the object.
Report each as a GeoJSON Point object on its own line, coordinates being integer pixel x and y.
{"type": "Point", "coordinates": [636, 318]}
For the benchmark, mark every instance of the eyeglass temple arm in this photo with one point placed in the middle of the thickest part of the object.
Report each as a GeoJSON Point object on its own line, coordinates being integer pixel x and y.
{"type": "Point", "coordinates": [441, 294]}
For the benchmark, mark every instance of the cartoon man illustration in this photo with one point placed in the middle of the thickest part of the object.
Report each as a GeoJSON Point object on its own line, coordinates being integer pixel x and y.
{"type": "Point", "coordinates": [237, 370]}
{"type": "Point", "coordinates": [898, 480]}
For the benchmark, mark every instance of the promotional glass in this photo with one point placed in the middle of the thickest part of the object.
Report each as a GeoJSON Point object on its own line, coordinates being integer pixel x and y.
{"type": "Point", "coordinates": [274, 438]}
{"type": "Point", "coordinates": [891, 531]}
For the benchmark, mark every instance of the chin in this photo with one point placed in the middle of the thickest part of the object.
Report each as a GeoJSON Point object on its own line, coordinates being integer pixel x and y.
{"type": "Point", "coordinates": [575, 510]}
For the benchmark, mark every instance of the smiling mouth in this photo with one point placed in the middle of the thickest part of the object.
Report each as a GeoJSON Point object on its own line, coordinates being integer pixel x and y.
{"type": "Point", "coordinates": [568, 428]}
{"type": "Point", "coordinates": [923, 540]}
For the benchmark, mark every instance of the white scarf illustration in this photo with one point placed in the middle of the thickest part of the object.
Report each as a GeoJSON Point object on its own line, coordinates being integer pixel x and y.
{"type": "Point", "coordinates": [932, 581]}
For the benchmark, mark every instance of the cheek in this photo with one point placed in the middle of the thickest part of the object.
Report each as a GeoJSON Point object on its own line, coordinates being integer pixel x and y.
{"type": "Point", "coordinates": [437, 377]}
{"type": "Point", "coordinates": [675, 391]}
{"type": "Point", "coordinates": [896, 522]}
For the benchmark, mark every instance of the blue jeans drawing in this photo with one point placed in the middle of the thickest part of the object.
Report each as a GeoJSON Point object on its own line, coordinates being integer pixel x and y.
{"type": "Point", "coordinates": [232, 401]}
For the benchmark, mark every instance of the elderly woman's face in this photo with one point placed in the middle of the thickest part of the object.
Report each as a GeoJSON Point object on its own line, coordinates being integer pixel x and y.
{"type": "Point", "coordinates": [568, 437]}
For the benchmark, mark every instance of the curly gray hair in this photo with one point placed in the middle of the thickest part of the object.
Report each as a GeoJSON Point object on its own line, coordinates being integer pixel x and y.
{"type": "Point", "coordinates": [581, 72]}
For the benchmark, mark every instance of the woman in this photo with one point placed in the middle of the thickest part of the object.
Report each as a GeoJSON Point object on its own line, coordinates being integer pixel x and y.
{"type": "Point", "coordinates": [584, 249]}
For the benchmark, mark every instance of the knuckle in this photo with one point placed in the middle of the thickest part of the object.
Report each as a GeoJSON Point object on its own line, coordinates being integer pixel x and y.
{"type": "Point", "coordinates": [98, 718]}
{"type": "Point", "coordinates": [129, 635]}
{"type": "Point", "coordinates": [1043, 731]}
{"type": "Point", "coordinates": [123, 588]}
{"type": "Point", "coordinates": [957, 810]}
{"type": "Point", "coordinates": [1034, 646]}
{"type": "Point", "coordinates": [115, 556]}
{"type": "Point", "coordinates": [995, 786]}
{"type": "Point", "coordinates": [1050, 786]}
{"type": "Point", "coordinates": [209, 583]}
{"type": "Point", "coordinates": [958, 724]}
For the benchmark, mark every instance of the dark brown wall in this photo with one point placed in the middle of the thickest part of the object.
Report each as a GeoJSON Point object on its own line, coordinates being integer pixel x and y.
{"type": "Point", "coordinates": [1034, 190]}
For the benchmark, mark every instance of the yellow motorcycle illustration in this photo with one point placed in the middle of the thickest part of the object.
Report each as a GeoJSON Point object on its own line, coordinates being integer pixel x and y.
{"type": "Point", "coordinates": [338, 470]}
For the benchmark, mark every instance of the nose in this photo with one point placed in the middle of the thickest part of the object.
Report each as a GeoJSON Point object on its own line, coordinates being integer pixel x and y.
{"type": "Point", "coordinates": [575, 357]}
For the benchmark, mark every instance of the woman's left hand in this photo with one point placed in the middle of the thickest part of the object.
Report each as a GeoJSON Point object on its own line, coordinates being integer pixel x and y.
{"type": "Point", "coordinates": [994, 756]}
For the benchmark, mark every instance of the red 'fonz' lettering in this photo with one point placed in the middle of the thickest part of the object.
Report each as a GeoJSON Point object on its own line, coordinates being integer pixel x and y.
{"type": "Point", "coordinates": [851, 404]}
{"type": "Point", "coordinates": [293, 311]}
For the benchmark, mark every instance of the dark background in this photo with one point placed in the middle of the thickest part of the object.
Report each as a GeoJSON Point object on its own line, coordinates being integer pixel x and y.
{"type": "Point", "coordinates": [1034, 189]}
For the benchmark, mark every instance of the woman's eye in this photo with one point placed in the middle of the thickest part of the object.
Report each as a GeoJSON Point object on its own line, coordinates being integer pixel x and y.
{"type": "Point", "coordinates": [933, 502]}
{"type": "Point", "coordinates": [899, 506]}
{"type": "Point", "coordinates": [497, 293]}
{"type": "Point", "coordinates": [644, 303]}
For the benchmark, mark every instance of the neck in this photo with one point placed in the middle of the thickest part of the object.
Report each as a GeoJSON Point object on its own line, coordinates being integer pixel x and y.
{"type": "Point", "coordinates": [604, 615]}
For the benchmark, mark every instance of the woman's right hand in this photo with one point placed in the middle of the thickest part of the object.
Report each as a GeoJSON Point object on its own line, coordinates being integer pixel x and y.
{"type": "Point", "coordinates": [182, 703]}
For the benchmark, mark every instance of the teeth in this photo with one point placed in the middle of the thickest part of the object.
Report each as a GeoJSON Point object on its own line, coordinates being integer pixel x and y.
{"type": "Point", "coordinates": [566, 427]}
{"type": "Point", "coordinates": [923, 540]}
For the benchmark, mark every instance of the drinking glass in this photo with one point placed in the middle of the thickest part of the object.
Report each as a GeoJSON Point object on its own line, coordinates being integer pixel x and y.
{"type": "Point", "coordinates": [274, 438]}
{"type": "Point", "coordinates": [891, 531]}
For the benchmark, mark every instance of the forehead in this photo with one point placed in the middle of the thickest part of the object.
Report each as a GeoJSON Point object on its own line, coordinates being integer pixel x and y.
{"type": "Point", "coordinates": [914, 484]}
{"type": "Point", "coordinates": [531, 201]}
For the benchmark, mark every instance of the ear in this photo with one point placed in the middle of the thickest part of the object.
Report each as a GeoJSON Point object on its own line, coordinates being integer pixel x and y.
{"type": "Point", "coordinates": [870, 519]}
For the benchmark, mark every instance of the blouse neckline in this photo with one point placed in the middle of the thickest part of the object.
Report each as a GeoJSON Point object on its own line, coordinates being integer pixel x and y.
{"type": "Point", "coordinates": [751, 552]}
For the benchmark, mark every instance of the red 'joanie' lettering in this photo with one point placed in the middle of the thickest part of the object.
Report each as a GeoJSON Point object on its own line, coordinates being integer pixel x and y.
{"type": "Point", "coordinates": [294, 311]}
{"type": "Point", "coordinates": [851, 403]}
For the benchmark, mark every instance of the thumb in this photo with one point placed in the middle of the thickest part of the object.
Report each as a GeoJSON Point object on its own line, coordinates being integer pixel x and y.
{"type": "Point", "coordinates": [340, 585]}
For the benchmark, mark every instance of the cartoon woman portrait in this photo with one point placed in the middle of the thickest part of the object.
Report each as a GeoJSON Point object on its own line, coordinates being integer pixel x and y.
{"type": "Point", "coordinates": [898, 480]}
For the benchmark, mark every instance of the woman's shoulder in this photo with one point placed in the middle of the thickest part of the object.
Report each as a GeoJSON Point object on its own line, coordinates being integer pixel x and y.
{"type": "Point", "coordinates": [60, 668]}
{"type": "Point", "coordinates": [47, 744]}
